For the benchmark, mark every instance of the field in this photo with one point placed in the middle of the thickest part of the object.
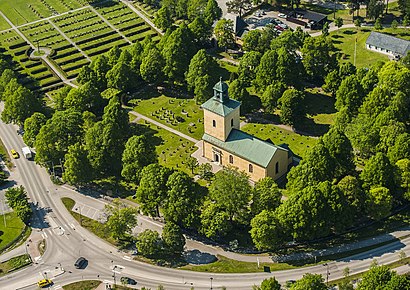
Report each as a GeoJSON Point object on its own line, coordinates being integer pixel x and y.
{"type": "Point", "coordinates": [183, 115]}
{"type": "Point", "coordinates": [75, 32]}
{"type": "Point", "coordinates": [172, 150]}
{"type": "Point", "coordinates": [9, 233]}
{"type": "Point", "coordinates": [14, 264]}
{"type": "Point", "coordinates": [83, 285]}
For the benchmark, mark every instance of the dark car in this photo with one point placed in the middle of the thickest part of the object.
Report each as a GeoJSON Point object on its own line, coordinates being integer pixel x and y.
{"type": "Point", "coordinates": [80, 263]}
{"type": "Point", "coordinates": [127, 280]}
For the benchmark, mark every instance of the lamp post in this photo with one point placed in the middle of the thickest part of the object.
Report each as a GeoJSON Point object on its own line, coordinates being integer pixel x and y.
{"type": "Point", "coordinates": [113, 271]}
{"type": "Point", "coordinates": [327, 273]}
{"type": "Point", "coordinates": [211, 282]}
{"type": "Point", "coordinates": [79, 210]}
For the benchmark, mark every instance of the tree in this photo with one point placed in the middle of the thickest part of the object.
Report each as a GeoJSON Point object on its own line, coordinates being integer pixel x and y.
{"type": "Point", "coordinates": [205, 171]}
{"type": "Point", "coordinates": [100, 65]}
{"type": "Point", "coordinates": [61, 131]}
{"type": "Point", "coordinates": [400, 149]}
{"type": "Point", "coordinates": [85, 98]}
{"type": "Point", "coordinates": [201, 30]}
{"type": "Point", "coordinates": [310, 282]}
{"type": "Point", "coordinates": [20, 103]}
{"type": "Point", "coordinates": [192, 163]}
{"type": "Point", "coordinates": [200, 66]}
{"type": "Point", "coordinates": [291, 107]}
{"type": "Point", "coordinates": [379, 202]}
{"type": "Point", "coordinates": [248, 66]}
{"type": "Point", "coordinates": [403, 166]}
{"type": "Point", "coordinates": [182, 201]}
{"type": "Point", "coordinates": [195, 8]}
{"type": "Point", "coordinates": [266, 71]}
{"type": "Point", "coordinates": [214, 221]}
{"type": "Point", "coordinates": [378, 171]}
{"type": "Point", "coordinates": [318, 58]}
{"type": "Point", "coordinates": [351, 188]}
{"type": "Point", "coordinates": [288, 70]}
{"type": "Point", "coordinates": [32, 126]}
{"type": "Point", "coordinates": [77, 168]}
{"type": "Point", "coordinates": [113, 55]}
{"type": "Point", "coordinates": [174, 240]}
{"type": "Point", "coordinates": [152, 190]}
{"type": "Point", "coordinates": [212, 11]}
{"type": "Point", "coordinates": [325, 29]}
{"type": "Point", "coordinates": [224, 33]}
{"type": "Point", "coordinates": [358, 23]}
{"type": "Point", "coordinates": [269, 284]}
{"type": "Point", "coordinates": [86, 75]}
{"type": "Point", "coordinates": [202, 90]}
{"type": "Point", "coordinates": [394, 24]}
{"type": "Point", "coordinates": [375, 9]}
{"type": "Point", "coordinates": [149, 243]}
{"type": "Point", "coordinates": [251, 41]}
{"type": "Point", "coordinates": [265, 195]}
{"type": "Point", "coordinates": [339, 22]}
{"type": "Point", "coordinates": [238, 6]}
{"type": "Point", "coordinates": [271, 95]}
{"type": "Point", "coordinates": [138, 153]}
{"type": "Point", "coordinates": [378, 24]}
{"type": "Point", "coordinates": [349, 94]}
{"type": "Point", "coordinates": [121, 77]}
{"type": "Point", "coordinates": [17, 199]}
{"type": "Point", "coordinates": [332, 82]}
{"type": "Point", "coordinates": [267, 231]}
{"type": "Point", "coordinates": [178, 52]}
{"type": "Point", "coordinates": [163, 18]}
{"type": "Point", "coordinates": [121, 219]}
{"type": "Point", "coordinates": [5, 80]}
{"type": "Point", "coordinates": [238, 91]}
{"type": "Point", "coordinates": [381, 277]}
{"type": "Point", "coordinates": [151, 67]}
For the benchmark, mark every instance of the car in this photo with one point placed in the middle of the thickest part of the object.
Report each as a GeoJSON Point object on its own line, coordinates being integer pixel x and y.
{"type": "Point", "coordinates": [44, 283]}
{"type": "Point", "coordinates": [14, 154]}
{"type": "Point", "coordinates": [80, 263]}
{"type": "Point", "coordinates": [282, 15]}
{"type": "Point", "coordinates": [279, 28]}
{"type": "Point", "coordinates": [257, 14]}
{"type": "Point", "coordinates": [283, 25]}
{"type": "Point", "coordinates": [128, 280]}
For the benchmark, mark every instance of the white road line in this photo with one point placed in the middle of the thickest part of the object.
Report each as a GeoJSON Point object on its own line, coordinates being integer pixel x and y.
{"type": "Point", "coordinates": [106, 282]}
{"type": "Point", "coordinates": [58, 287]}
{"type": "Point", "coordinates": [128, 258]}
{"type": "Point", "coordinates": [72, 226]}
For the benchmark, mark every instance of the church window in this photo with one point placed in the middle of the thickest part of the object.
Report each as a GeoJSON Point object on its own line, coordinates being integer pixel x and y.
{"type": "Point", "coordinates": [231, 159]}
{"type": "Point", "coordinates": [231, 122]}
{"type": "Point", "coordinates": [250, 168]}
{"type": "Point", "coordinates": [277, 168]}
{"type": "Point", "coordinates": [213, 123]}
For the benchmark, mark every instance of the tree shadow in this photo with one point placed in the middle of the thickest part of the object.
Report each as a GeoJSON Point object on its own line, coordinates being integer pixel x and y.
{"type": "Point", "coordinates": [307, 126]}
{"type": "Point", "coordinates": [7, 184]}
{"type": "Point", "coordinates": [38, 220]}
{"type": "Point", "coordinates": [318, 103]}
{"type": "Point", "coordinates": [337, 36]}
{"type": "Point", "coordinates": [349, 32]}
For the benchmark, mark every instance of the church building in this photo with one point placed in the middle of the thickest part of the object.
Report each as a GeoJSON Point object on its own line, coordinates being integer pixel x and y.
{"type": "Point", "coordinates": [225, 144]}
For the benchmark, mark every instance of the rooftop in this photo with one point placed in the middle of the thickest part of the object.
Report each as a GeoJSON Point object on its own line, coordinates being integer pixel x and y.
{"type": "Point", "coordinates": [246, 146]}
{"type": "Point", "coordinates": [222, 109]}
{"type": "Point", "coordinates": [238, 23]}
{"type": "Point", "coordinates": [388, 42]}
{"type": "Point", "coordinates": [310, 15]}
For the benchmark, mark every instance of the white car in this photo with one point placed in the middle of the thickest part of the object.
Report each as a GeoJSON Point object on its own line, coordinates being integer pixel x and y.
{"type": "Point", "coordinates": [284, 26]}
{"type": "Point", "coordinates": [281, 15]}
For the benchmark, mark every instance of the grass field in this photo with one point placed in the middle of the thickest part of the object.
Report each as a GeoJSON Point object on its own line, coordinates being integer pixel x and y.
{"type": "Point", "coordinates": [11, 231]}
{"type": "Point", "coordinates": [171, 149]}
{"type": "Point", "coordinates": [83, 285]}
{"type": "Point", "coordinates": [168, 111]}
{"type": "Point", "coordinates": [14, 264]}
{"type": "Point", "coordinates": [299, 144]}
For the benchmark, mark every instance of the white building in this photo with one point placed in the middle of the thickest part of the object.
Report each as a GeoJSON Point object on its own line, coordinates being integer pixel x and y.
{"type": "Point", "coordinates": [387, 44]}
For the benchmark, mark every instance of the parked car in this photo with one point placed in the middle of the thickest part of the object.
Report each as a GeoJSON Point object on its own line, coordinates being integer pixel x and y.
{"type": "Point", "coordinates": [282, 15]}
{"type": "Point", "coordinates": [80, 263]}
{"type": "Point", "coordinates": [14, 154]}
{"type": "Point", "coordinates": [44, 283]}
{"type": "Point", "coordinates": [283, 25]}
{"type": "Point", "coordinates": [279, 28]}
{"type": "Point", "coordinates": [258, 14]}
{"type": "Point", "coordinates": [128, 280]}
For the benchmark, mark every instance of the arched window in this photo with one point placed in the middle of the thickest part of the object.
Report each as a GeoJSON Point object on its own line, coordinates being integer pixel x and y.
{"type": "Point", "coordinates": [231, 122]}
{"type": "Point", "coordinates": [231, 159]}
{"type": "Point", "coordinates": [277, 167]}
{"type": "Point", "coordinates": [250, 168]}
{"type": "Point", "coordinates": [213, 123]}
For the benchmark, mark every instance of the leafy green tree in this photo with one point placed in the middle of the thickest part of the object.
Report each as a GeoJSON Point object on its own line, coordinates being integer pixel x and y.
{"type": "Point", "coordinates": [121, 77]}
{"type": "Point", "coordinates": [247, 67]}
{"type": "Point", "coordinates": [378, 171]}
{"type": "Point", "coordinates": [400, 148]}
{"type": "Point", "coordinates": [394, 24]}
{"type": "Point", "coordinates": [332, 82]}
{"type": "Point", "coordinates": [17, 199]}
{"type": "Point", "coordinates": [151, 67]}
{"type": "Point", "coordinates": [61, 131]}
{"type": "Point", "coordinates": [149, 243]}
{"type": "Point", "coordinates": [214, 220]}
{"type": "Point", "coordinates": [267, 231]}
{"type": "Point", "coordinates": [375, 10]}
{"type": "Point", "coordinates": [378, 24]}
{"type": "Point", "coordinates": [32, 126]}
{"type": "Point", "coordinates": [121, 219]}
{"type": "Point", "coordinates": [136, 51]}
{"type": "Point", "coordinates": [163, 18]}
{"type": "Point", "coordinates": [212, 11]}
{"type": "Point", "coordinates": [339, 22]}
{"type": "Point", "coordinates": [178, 52]}
{"type": "Point", "coordinates": [59, 98]}
{"type": "Point", "coordinates": [358, 22]}
{"type": "Point", "coordinates": [379, 202]}
{"type": "Point", "coordinates": [85, 98]}
{"type": "Point", "coordinates": [19, 104]}
{"type": "Point", "coordinates": [205, 171]}
{"type": "Point", "coordinates": [138, 153]}
{"type": "Point", "coordinates": [271, 95]}
{"type": "Point", "coordinates": [269, 284]}
{"type": "Point", "coordinates": [291, 107]}
{"type": "Point", "coordinates": [238, 6]}
{"type": "Point", "coordinates": [197, 77]}
{"type": "Point", "coordinates": [230, 190]}
{"type": "Point", "coordinates": [266, 195]}
{"type": "Point", "coordinates": [86, 75]}
{"type": "Point", "coordinates": [292, 41]}
{"type": "Point", "coordinates": [349, 94]}
{"type": "Point", "coordinates": [192, 163]}
{"type": "Point", "coordinates": [266, 71]}
{"type": "Point", "coordinates": [202, 90]}
{"type": "Point", "coordinates": [174, 240]}
{"type": "Point", "coordinates": [251, 41]}
{"type": "Point", "coordinates": [287, 70]}
{"type": "Point", "coordinates": [310, 282]}
{"type": "Point", "coordinates": [346, 69]}
{"type": "Point", "coordinates": [325, 29]}
{"type": "Point", "coordinates": [381, 277]}
{"type": "Point", "coordinates": [152, 190]}
{"type": "Point", "coordinates": [113, 55]}
{"type": "Point", "coordinates": [318, 58]}
{"type": "Point", "coordinates": [201, 30]}
{"type": "Point", "coordinates": [403, 166]}
{"type": "Point", "coordinates": [6, 77]}
{"type": "Point", "coordinates": [182, 201]}
{"type": "Point", "coordinates": [224, 33]}
{"type": "Point", "coordinates": [100, 65]}
{"type": "Point", "coordinates": [77, 168]}
{"type": "Point", "coordinates": [351, 188]}
{"type": "Point", "coordinates": [237, 91]}
{"type": "Point", "coordinates": [363, 134]}
{"type": "Point", "coordinates": [195, 8]}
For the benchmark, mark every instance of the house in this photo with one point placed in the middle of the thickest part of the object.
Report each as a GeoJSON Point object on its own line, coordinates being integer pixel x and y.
{"type": "Point", "coordinates": [225, 144]}
{"type": "Point", "coordinates": [307, 18]}
{"type": "Point", "coordinates": [239, 25]}
{"type": "Point", "coordinates": [387, 44]}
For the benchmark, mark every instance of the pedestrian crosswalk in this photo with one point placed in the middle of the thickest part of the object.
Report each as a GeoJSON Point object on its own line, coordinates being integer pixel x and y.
{"type": "Point", "coordinates": [58, 287]}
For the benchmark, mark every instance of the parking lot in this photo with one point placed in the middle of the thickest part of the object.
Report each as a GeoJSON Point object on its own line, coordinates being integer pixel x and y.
{"type": "Point", "coordinates": [260, 19]}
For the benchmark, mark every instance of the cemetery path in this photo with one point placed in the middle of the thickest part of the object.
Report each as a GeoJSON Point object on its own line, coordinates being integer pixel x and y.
{"type": "Point", "coordinates": [176, 132]}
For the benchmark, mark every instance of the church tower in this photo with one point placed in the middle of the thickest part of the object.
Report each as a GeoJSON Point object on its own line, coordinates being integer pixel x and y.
{"type": "Point", "coordinates": [221, 114]}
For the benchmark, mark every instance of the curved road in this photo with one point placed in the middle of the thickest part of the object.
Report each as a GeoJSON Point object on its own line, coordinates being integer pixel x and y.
{"type": "Point", "coordinates": [66, 244]}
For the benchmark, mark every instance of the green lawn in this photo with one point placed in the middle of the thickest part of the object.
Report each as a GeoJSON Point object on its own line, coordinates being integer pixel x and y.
{"type": "Point", "coordinates": [167, 110]}
{"type": "Point", "coordinates": [3, 24]}
{"type": "Point", "coordinates": [171, 149]}
{"type": "Point", "coordinates": [13, 229]}
{"type": "Point", "coordinates": [14, 264]}
{"type": "Point", "coordinates": [299, 144]}
{"type": "Point", "coordinates": [344, 41]}
{"type": "Point", "coordinates": [83, 285]}
{"type": "Point", "coordinates": [4, 155]}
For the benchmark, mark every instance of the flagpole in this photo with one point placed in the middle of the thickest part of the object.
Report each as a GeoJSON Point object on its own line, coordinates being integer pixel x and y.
{"type": "Point", "coordinates": [354, 57]}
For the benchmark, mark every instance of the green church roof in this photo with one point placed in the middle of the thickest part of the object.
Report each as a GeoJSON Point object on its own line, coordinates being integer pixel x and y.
{"type": "Point", "coordinates": [246, 146]}
{"type": "Point", "coordinates": [221, 86]}
{"type": "Point", "coordinates": [222, 109]}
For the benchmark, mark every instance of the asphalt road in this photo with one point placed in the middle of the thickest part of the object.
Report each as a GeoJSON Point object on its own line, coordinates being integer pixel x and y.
{"type": "Point", "coordinates": [66, 241]}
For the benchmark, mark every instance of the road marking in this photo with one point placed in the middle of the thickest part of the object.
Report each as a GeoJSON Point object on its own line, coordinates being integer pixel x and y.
{"type": "Point", "coordinates": [58, 287]}
{"type": "Point", "coordinates": [37, 258]}
{"type": "Point", "coordinates": [72, 226]}
{"type": "Point", "coordinates": [128, 258]}
{"type": "Point", "coordinates": [106, 282]}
